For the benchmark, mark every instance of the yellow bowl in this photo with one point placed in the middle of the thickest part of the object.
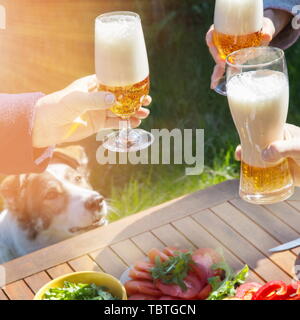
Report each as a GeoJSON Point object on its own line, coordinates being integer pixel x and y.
{"type": "Point", "coordinates": [113, 285]}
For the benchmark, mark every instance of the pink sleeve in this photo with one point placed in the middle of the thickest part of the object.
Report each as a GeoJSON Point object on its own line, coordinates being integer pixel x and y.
{"type": "Point", "coordinates": [17, 154]}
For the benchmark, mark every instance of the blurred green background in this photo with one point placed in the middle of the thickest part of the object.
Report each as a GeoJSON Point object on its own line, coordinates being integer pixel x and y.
{"type": "Point", "coordinates": [180, 87]}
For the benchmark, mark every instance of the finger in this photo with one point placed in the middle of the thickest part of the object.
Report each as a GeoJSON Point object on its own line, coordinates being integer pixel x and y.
{"type": "Point", "coordinates": [77, 102]}
{"type": "Point", "coordinates": [146, 101]}
{"type": "Point", "coordinates": [282, 149]}
{"type": "Point", "coordinates": [209, 37]}
{"type": "Point", "coordinates": [267, 31]}
{"type": "Point", "coordinates": [142, 113]}
{"type": "Point", "coordinates": [238, 153]}
{"type": "Point", "coordinates": [218, 73]}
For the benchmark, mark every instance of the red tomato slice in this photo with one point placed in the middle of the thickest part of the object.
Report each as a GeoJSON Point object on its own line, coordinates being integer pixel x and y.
{"type": "Point", "coordinates": [153, 253]}
{"type": "Point", "coordinates": [192, 283]}
{"type": "Point", "coordinates": [169, 298]}
{"type": "Point", "coordinates": [139, 275]}
{"type": "Point", "coordinates": [142, 297]}
{"type": "Point", "coordinates": [143, 266]}
{"type": "Point", "coordinates": [246, 291]}
{"type": "Point", "coordinates": [204, 293]}
{"type": "Point", "coordinates": [141, 286]}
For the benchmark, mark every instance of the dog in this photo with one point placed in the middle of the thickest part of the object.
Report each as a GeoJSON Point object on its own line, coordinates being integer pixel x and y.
{"type": "Point", "coordinates": [42, 209]}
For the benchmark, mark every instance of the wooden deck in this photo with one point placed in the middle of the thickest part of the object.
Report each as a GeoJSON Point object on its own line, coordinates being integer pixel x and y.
{"type": "Point", "coordinates": [214, 217]}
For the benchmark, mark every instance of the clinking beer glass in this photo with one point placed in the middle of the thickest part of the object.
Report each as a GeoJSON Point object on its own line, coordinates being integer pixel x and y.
{"type": "Point", "coordinates": [258, 96]}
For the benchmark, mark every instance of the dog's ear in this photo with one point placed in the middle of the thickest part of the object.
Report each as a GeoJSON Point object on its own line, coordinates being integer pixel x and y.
{"type": "Point", "coordinates": [10, 188]}
{"type": "Point", "coordinates": [75, 156]}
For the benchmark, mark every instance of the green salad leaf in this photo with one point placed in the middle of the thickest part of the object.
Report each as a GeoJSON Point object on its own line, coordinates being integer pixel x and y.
{"type": "Point", "coordinates": [78, 291]}
{"type": "Point", "coordinates": [174, 270]}
{"type": "Point", "coordinates": [227, 287]}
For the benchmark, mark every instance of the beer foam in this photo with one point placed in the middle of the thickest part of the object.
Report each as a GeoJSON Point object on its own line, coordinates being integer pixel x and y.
{"type": "Point", "coordinates": [120, 51]}
{"type": "Point", "coordinates": [238, 17]}
{"type": "Point", "coordinates": [256, 85]}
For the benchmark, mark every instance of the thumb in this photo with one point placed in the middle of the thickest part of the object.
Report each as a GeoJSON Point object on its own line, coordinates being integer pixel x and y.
{"type": "Point", "coordinates": [79, 101]}
{"type": "Point", "coordinates": [282, 149]}
{"type": "Point", "coordinates": [268, 31]}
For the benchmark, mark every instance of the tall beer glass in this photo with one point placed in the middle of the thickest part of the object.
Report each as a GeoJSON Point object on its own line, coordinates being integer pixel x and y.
{"type": "Point", "coordinates": [122, 68]}
{"type": "Point", "coordinates": [238, 24]}
{"type": "Point", "coordinates": [258, 96]}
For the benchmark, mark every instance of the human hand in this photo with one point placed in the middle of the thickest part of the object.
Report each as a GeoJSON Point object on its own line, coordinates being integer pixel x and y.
{"type": "Point", "coordinates": [268, 32]}
{"type": "Point", "coordinates": [56, 112]}
{"type": "Point", "coordinates": [287, 148]}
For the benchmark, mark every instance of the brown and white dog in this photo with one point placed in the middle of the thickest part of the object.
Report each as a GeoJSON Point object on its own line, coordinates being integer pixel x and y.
{"type": "Point", "coordinates": [42, 209]}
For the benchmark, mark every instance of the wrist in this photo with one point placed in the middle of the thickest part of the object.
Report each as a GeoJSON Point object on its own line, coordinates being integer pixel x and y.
{"type": "Point", "coordinates": [280, 19]}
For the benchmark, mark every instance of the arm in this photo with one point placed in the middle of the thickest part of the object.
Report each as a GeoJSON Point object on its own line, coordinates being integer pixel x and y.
{"type": "Point", "coordinates": [16, 120]}
{"type": "Point", "coordinates": [281, 13]}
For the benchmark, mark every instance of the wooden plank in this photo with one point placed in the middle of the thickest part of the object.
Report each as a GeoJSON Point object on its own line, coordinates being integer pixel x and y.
{"type": "Point", "coordinates": [84, 263]}
{"type": "Point", "coordinates": [172, 238]}
{"type": "Point", "coordinates": [296, 195]}
{"type": "Point", "coordinates": [128, 252]}
{"type": "Point", "coordinates": [3, 296]}
{"type": "Point", "coordinates": [146, 241]}
{"type": "Point", "coordinates": [295, 204]}
{"type": "Point", "coordinates": [264, 218]}
{"type": "Point", "coordinates": [36, 281]}
{"type": "Point", "coordinates": [240, 247]}
{"type": "Point", "coordinates": [59, 270]}
{"type": "Point", "coordinates": [286, 213]}
{"type": "Point", "coordinates": [202, 239]}
{"type": "Point", "coordinates": [109, 261]}
{"type": "Point", "coordinates": [255, 235]}
{"type": "Point", "coordinates": [18, 291]}
{"type": "Point", "coordinates": [118, 231]}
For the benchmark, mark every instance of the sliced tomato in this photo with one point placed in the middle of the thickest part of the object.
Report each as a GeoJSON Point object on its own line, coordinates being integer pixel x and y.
{"type": "Point", "coordinates": [153, 253]}
{"type": "Point", "coordinates": [171, 251]}
{"type": "Point", "coordinates": [204, 293]}
{"type": "Point", "coordinates": [246, 291]}
{"type": "Point", "coordinates": [139, 275]}
{"type": "Point", "coordinates": [273, 290]}
{"type": "Point", "coordinates": [216, 257]}
{"type": "Point", "coordinates": [141, 286]}
{"type": "Point", "coordinates": [139, 296]}
{"type": "Point", "coordinates": [143, 266]}
{"type": "Point", "coordinates": [192, 283]}
{"type": "Point", "coordinates": [169, 298]}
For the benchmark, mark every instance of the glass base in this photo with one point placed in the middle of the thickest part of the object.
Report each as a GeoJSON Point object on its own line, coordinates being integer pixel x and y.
{"type": "Point", "coordinates": [130, 140]}
{"type": "Point", "coordinates": [268, 198]}
{"type": "Point", "coordinates": [221, 87]}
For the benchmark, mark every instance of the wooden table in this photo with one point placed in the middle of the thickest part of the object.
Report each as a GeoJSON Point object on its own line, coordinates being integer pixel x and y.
{"type": "Point", "coordinates": [214, 217]}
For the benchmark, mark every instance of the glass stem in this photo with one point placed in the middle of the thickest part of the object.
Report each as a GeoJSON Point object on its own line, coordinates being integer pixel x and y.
{"type": "Point", "coordinates": [124, 129]}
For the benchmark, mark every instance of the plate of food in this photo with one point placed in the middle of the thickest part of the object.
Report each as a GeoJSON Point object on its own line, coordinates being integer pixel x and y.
{"type": "Point", "coordinates": [176, 274]}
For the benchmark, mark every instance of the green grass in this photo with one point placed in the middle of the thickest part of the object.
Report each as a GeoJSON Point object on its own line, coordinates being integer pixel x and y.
{"type": "Point", "coordinates": [180, 77]}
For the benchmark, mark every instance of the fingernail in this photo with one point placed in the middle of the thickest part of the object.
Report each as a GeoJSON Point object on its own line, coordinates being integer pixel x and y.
{"type": "Point", "coordinates": [110, 98]}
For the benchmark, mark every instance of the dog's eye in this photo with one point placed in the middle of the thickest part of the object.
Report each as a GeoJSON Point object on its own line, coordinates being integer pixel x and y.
{"type": "Point", "coordinates": [78, 179]}
{"type": "Point", "coordinates": [52, 194]}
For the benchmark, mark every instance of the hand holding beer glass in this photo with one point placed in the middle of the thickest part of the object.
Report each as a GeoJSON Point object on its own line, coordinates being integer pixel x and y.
{"type": "Point", "coordinates": [122, 68]}
{"type": "Point", "coordinates": [237, 25]}
{"type": "Point", "coordinates": [258, 96]}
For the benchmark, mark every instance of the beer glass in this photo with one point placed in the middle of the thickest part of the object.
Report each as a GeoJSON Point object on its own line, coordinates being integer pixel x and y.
{"type": "Point", "coordinates": [122, 68]}
{"type": "Point", "coordinates": [258, 96]}
{"type": "Point", "coordinates": [237, 25]}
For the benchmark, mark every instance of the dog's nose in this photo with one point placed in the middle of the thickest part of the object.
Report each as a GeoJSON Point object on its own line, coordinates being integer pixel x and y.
{"type": "Point", "coordinates": [94, 203]}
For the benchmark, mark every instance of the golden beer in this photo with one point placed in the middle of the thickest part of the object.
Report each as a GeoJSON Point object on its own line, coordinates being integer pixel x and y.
{"type": "Point", "coordinates": [128, 98]}
{"type": "Point", "coordinates": [255, 180]}
{"type": "Point", "coordinates": [227, 44]}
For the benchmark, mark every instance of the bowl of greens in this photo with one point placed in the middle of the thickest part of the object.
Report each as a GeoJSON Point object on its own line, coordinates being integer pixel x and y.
{"type": "Point", "coordinates": [85, 285]}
